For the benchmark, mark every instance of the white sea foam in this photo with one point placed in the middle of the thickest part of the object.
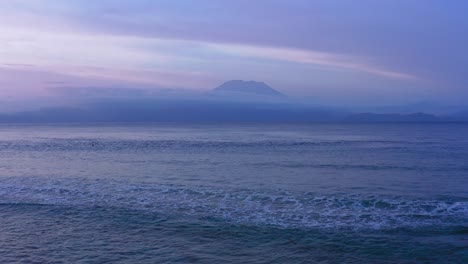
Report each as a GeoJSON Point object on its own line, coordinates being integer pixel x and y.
{"type": "Point", "coordinates": [266, 207]}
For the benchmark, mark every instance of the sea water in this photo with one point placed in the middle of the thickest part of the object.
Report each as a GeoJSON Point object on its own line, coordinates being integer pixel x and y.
{"type": "Point", "coordinates": [147, 193]}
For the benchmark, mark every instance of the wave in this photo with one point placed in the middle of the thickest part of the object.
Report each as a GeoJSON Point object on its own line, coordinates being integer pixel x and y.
{"type": "Point", "coordinates": [242, 206]}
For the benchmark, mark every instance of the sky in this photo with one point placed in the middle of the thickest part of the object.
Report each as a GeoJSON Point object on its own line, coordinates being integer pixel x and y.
{"type": "Point", "coordinates": [337, 52]}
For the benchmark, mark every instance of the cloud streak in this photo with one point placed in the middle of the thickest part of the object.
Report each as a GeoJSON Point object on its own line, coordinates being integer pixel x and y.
{"type": "Point", "coordinates": [332, 61]}
{"type": "Point", "coordinates": [146, 60]}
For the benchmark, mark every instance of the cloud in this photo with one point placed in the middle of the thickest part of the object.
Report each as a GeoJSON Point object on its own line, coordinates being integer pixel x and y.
{"type": "Point", "coordinates": [163, 62]}
{"type": "Point", "coordinates": [330, 60]}
{"type": "Point", "coordinates": [127, 30]}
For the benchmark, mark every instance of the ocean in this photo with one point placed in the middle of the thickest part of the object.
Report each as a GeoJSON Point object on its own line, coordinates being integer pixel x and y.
{"type": "Point", "coordinates": [318, 193]}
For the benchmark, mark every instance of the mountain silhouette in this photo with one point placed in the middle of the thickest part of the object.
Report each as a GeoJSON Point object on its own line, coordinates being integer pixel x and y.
{"type": "Point", "coordinates": [247, 88]}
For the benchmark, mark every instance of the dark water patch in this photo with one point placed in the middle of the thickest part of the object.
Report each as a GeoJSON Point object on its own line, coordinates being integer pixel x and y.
{"type": "Point", "coordinates": [102, 234]}
{"type": "Point", "coordinates": [370, 167]}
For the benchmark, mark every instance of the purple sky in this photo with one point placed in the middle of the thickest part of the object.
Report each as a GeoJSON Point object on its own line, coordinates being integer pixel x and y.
{"type": "Point", "coordinates": [337, 52]}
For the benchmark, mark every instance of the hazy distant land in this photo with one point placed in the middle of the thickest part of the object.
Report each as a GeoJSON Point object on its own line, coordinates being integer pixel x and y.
{"type": "Point", "coordinates": [234, 101]}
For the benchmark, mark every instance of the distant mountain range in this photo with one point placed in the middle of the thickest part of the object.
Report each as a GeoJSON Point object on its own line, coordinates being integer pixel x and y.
{"type": "Point", "coordinates": [232, 102]}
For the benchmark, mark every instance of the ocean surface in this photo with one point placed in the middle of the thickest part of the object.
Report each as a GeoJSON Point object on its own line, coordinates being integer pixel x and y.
{"type": "Point", "coordinates": [320, 193]}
